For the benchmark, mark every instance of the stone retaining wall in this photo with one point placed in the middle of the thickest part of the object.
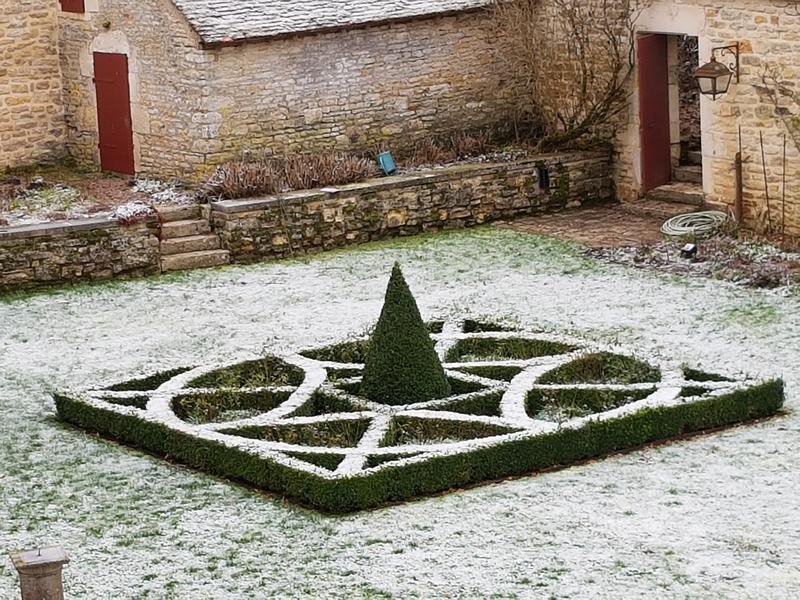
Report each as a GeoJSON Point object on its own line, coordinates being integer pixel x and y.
{"type": "Point", "coordinates": [459, 196]}
{"type": "Point", "coordinates": [310, 221]}
{"type": "Point", "coordinates": [72, 251]}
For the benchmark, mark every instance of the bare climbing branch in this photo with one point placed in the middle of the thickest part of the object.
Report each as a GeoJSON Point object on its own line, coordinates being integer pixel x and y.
{"type": "Point", "coordinates": [568, 65]}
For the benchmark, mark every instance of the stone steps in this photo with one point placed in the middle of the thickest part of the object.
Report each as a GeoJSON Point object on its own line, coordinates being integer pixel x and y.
{"type": "Point", "coordinates": [679, 192]}
{"type": "Point", "coordinates": [187, 241]}
{"type": "Point", "coordinates": [170, 213]}
{"type": "Point", "coordinates": [663, 211]}
{"type": "Point", "coordinates": [190, 243]}
{"type": "Point", "coordinates": [184, 228]}
{"type": "Point", "coordinates": [688, 174]}
{"type": "Point", "coordinates": [194, 260]}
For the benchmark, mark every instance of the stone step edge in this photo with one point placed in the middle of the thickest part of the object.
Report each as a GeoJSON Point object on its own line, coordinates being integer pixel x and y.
{"type": "Point", "coordinates": [656, 209]}
{"type": "Point", "coordinates": [676, 197]}
{"type": "Point", "coordinates": [195, 260]}
{"type": "Point", "coordinates": [173, 229]}
{"type": "Point", "coordinates": [666, 210]}
{"type": "Point", "coordinates": [170, 213]}
{"type": "Point", "coordinates": [178, 245]}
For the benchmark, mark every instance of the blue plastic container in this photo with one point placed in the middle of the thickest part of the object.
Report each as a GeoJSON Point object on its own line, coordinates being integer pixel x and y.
{"type": "Point", "coordinates": [386, 163]}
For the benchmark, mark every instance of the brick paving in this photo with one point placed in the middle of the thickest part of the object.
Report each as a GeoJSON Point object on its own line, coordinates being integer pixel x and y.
{"type": "Point", "coordinates": [606, 226]}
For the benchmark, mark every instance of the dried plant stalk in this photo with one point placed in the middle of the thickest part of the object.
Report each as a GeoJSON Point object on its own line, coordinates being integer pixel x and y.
{"type": "Point", "coordinates": [263, 176]}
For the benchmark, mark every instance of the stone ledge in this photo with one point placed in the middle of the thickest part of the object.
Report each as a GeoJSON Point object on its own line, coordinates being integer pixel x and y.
{"type": "Point", "coordinates": [65, 227]}
{"type": "Point", "coordinates": [404, 180]}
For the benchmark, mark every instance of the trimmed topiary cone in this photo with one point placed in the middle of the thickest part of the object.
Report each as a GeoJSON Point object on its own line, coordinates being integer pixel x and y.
{"type": "Point", "coordinates": [401, 365]}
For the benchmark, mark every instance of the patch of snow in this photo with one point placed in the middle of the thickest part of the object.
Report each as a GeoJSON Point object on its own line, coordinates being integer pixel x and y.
{"type": "Point", "coordinates": [711, 517]}
{"type": "Point", "coordinates": [132, 211]}
{"type": "Point", "coordinates": [163, 192]}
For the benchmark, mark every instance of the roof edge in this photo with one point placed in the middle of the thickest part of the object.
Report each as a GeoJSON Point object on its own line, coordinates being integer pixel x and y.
{"type": "Point", "coordinates": [231, 42]}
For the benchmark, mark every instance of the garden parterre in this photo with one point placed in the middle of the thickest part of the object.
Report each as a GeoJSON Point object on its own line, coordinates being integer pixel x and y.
{"type": "Point", "coordinates": [711, 516]}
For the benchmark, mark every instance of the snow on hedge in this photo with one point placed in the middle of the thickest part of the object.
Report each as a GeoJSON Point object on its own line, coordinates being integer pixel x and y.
{"type": "Point", "coordinates": [712, 517]}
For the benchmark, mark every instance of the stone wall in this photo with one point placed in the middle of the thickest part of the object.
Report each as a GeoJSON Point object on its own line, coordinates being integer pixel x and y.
{"type": "Point", "coordinates": [460, 196]}
{"type": "Point", "coordinates": [193, 108]}
{"type": "Point", "coordinates": [311, 221]}
{"type": "Point", "coordinates": [356, 89]}
{"type": "Point", "coordinates": [166, 81]}
{"type": "Point", "coordinates": [769, 38]}
{"type": "Point", "coordinates": [67, 252]}
{"type": "Point", "coordinates": [31, 112]}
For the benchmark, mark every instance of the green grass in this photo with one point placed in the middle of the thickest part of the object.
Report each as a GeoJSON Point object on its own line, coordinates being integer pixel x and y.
{"type": "Point", "coordinates": [603, 367]}
{"type": "Point", "coordinates": [262, 372]}
{"type": "Point", "coordinates": [564, 403]}
{"type": "Point", "coordinates": [225, 405]}
{"type": "Point", "coordinates": [340, 434]}
{"type": "Point", "coordinates": [135, 401]}
{"type": "Point", "coordinates": [321, 403]}
{"type": "Point", "coordinates": [472, 326]}
{"type": "Point", "coordinates": [148, 383]}
{"type": "Point", "coordinates": [698, 375]}
{"type": "Point", "coordinates": [487, 404]}
{"type": "Point", "coordinates": [501, 372]}
{"type": "Point", "coordinates": [411, 430]}
{"type": "Point", "coordinates": [478, 349]}
{"type": "Point", "coordinates": [324, 460]}
{"type": "Point", "coordinates": [345, 352]}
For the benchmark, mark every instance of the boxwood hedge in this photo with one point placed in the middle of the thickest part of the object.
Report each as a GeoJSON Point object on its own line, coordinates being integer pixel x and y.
{"type": "Point", "coordinates": [414, 478]}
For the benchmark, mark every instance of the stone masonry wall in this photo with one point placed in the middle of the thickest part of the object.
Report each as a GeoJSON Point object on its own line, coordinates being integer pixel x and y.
{"type": "Point", "coordinates": [194, 108]}
{"type": "Point", "coordinates": [356, 89]}
{"type": "Point", "coordinates": [769, 37]}
{"type": "Point", "coordinates": [311, 221]}
{"type": "Point", "coordinates": [166, 80]}
{"type": "Point", "coordinates": [460, 196]}
{"type": "Point", "coordinates": [31, 112]}
{"type": "Point", "coordinates": [67, 252]}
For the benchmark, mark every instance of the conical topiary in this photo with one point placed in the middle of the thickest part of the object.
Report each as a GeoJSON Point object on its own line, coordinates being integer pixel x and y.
{"type": "Point", "coordinates": [401, 365]}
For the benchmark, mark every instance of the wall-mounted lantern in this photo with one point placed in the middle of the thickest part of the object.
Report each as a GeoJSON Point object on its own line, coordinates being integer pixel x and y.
{"type": "Point", "coordinates": [713, 78]}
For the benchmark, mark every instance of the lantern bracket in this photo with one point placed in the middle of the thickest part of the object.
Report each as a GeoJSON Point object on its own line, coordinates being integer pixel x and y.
{"type": "Point", "coordinates": [732, 50]}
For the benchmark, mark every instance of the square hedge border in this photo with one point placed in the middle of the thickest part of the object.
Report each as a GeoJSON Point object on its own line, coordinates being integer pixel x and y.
{"type": "Point", "coordinates": [561, 448]}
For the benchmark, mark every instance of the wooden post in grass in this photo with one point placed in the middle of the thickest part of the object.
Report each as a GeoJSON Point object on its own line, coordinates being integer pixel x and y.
{"type": "Point", "coordinates": [40, 572]}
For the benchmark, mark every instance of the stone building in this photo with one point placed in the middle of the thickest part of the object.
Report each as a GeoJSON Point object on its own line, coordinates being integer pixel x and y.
{"type": "Point", "coordinates": [754, 114]}
{"type": "Point", "coordinates": [32, 126]}
{"type": "Point", "coordinates": [170, 88]}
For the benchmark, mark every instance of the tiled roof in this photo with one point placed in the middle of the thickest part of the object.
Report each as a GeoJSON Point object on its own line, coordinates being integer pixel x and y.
{"type": "Point", "coordinates": [227, 20]}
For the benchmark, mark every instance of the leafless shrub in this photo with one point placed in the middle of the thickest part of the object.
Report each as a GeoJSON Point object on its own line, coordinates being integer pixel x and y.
{"type": "Point", "coordinates": [568, 65]}
{"type": "Point", "coordinates": [432, 151]}
{"type": "Point", "coordinates": [780, 90]}
{"type": "Point", "coordinates": [240, 178]}
{"type": "Point", "coordinates": [428, 152]}
{"type": "Point", "coordinates": [262, 176]}
{"type": "Point", "coordinates": [465, 145]}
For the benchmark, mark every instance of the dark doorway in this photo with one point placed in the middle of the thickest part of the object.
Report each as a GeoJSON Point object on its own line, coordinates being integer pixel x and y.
{"type": "Point", "coordinates": [654, 123]}
{"type": "Point", "coordinates": [689, 95]}
{"type": "Point", "coordinates": [114, 112]}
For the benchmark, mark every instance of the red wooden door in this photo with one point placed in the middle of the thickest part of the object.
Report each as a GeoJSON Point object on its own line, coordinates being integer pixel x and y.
{"type": "Point", "coordinates": [653, 78]}
{"type": "Point", "coordinates": [113, 112]}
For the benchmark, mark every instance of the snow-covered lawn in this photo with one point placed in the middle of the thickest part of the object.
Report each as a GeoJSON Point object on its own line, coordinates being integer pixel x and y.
{"type": "Point", "coordinates": [712, 517]}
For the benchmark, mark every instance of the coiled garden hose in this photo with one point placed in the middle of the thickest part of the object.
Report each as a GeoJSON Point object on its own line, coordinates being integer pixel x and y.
{"type": "Point", "coordinates": [694, 224]}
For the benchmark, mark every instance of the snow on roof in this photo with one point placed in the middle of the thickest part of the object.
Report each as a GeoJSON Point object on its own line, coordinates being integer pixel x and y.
{"type": "Point", "coordinates": [218, 21]}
